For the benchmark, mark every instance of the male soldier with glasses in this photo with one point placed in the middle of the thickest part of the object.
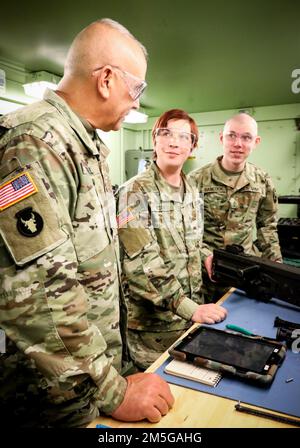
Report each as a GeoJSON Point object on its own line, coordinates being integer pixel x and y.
{"type": "Point", "coordinates": [59, 256]}
{"type": "Point", "coordinates": [238, 198]}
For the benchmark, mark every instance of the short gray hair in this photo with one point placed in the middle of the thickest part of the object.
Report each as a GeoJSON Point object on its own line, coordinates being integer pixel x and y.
{"type": "Point", "coordinates": [117, 26]}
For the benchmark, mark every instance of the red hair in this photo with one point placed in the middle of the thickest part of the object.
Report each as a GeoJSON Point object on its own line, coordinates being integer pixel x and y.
{"type": "Point", "coordinates": [175, 114]}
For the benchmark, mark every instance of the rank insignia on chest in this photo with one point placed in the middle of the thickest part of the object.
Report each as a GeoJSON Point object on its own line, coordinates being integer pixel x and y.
{"type": "Point", "coordinates": [29, 222]}
{"type": "Point", "coordinates": [17, 189]}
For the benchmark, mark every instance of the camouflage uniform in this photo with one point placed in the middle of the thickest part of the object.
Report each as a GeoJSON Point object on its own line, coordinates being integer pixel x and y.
{"type": "Point", "coordinates": [59, 273]}
{"type": "Point", "coordinates": [235, 205]}
{"type": "Point", "coordinates": [161, 235]}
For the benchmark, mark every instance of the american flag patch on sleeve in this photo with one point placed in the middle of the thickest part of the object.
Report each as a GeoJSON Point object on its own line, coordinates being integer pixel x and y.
{"type": "Point", "coordinates": [124, 217]}
{"type": "Point", "coordinates": [17, 189]}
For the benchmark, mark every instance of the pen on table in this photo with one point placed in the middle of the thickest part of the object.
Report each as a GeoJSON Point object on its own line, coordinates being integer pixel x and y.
{"type": "Point", "coordinates": [270, 415]}
{"type": "Point", "coordinates": [239, 329]}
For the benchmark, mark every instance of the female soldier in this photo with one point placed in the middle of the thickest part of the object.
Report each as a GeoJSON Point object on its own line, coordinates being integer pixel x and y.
{"type": "Point", "coordinates": [160, 228]}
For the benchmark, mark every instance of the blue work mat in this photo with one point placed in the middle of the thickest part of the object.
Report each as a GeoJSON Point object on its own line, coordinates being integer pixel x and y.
{"type": "Point", "coordinates": [257, 317]}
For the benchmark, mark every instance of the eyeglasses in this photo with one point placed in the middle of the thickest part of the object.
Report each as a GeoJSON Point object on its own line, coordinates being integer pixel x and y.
{"type": "Point", "coordinates": [183, 138]}
{"type": "Point", "coordinates": [245, 138]}
{"type": "Point", "coordinates": [135, 85]}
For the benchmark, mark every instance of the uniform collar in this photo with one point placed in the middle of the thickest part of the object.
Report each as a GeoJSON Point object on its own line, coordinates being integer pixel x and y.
{"type": "Point", "coordinates": [165, 190]}
{"type": "Point", "coordinates": [246, 177]}
{"type": "Point", "coordinates": [103, 149]}
{"type": "Point", "coordinates": [74, 121]}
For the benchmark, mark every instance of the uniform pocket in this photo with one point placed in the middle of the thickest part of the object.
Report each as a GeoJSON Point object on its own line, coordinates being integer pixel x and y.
{"type": "Point", "coordinates": [35, 332]}
{"type": "Point", "coordinates": [134, 240]}
{"type": "Point", "coordinates": [247, 205]}
{"type": "Point", "coordinates": [90, 234]}
{"type": "Point", "coordinates": [216, 204]}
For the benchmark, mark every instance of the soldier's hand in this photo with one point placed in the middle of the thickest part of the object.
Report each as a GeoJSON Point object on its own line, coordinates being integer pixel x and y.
{"type": "Point", "coordinates": [208, 262]}
{"type": "Point", "coordinates": [147, 396]}
{"type": "Point", "coordinates": [209, 314]}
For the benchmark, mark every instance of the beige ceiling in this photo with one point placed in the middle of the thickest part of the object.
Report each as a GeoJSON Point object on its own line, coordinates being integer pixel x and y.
{"type": "Point", "coordinates": [204, 56]}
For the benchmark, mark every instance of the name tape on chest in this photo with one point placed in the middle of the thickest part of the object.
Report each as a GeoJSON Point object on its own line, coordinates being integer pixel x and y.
{"type": "Point", "coordinates": [17, 189]}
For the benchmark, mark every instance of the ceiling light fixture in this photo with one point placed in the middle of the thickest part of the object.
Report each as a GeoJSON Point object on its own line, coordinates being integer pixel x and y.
{"type": "Point", "coordinates": [38, 82]}
{"type": "Point", "coordinates": [135, 116]}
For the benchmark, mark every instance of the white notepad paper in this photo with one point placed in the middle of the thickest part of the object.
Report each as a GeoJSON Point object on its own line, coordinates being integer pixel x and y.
{"type": "Point", "coordinates": [192, 372]}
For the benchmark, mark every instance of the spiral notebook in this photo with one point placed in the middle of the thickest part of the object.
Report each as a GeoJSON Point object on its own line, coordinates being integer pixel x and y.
{"type": "Point", "coordinates": [192, 372]}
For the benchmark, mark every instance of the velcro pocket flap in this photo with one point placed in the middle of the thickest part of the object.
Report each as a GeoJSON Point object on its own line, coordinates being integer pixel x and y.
{"type": "Point", "coordinates": [134, 240]}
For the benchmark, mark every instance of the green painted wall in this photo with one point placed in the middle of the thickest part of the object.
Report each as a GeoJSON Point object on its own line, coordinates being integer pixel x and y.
{"type": "Point", "coordinates": [278, 153]}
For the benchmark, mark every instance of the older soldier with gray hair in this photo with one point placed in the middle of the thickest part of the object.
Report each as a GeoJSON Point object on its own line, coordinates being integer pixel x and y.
{"type": "Point", "coordinates": [238, 199]}
{"type": "Point", "coordinates": [59, 266]}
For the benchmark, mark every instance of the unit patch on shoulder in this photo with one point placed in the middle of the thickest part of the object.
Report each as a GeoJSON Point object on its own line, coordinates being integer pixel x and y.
{"type": "Point", "coordinates": [29, 222]}
{"type": "Point", "coordinates": [17, 189]}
